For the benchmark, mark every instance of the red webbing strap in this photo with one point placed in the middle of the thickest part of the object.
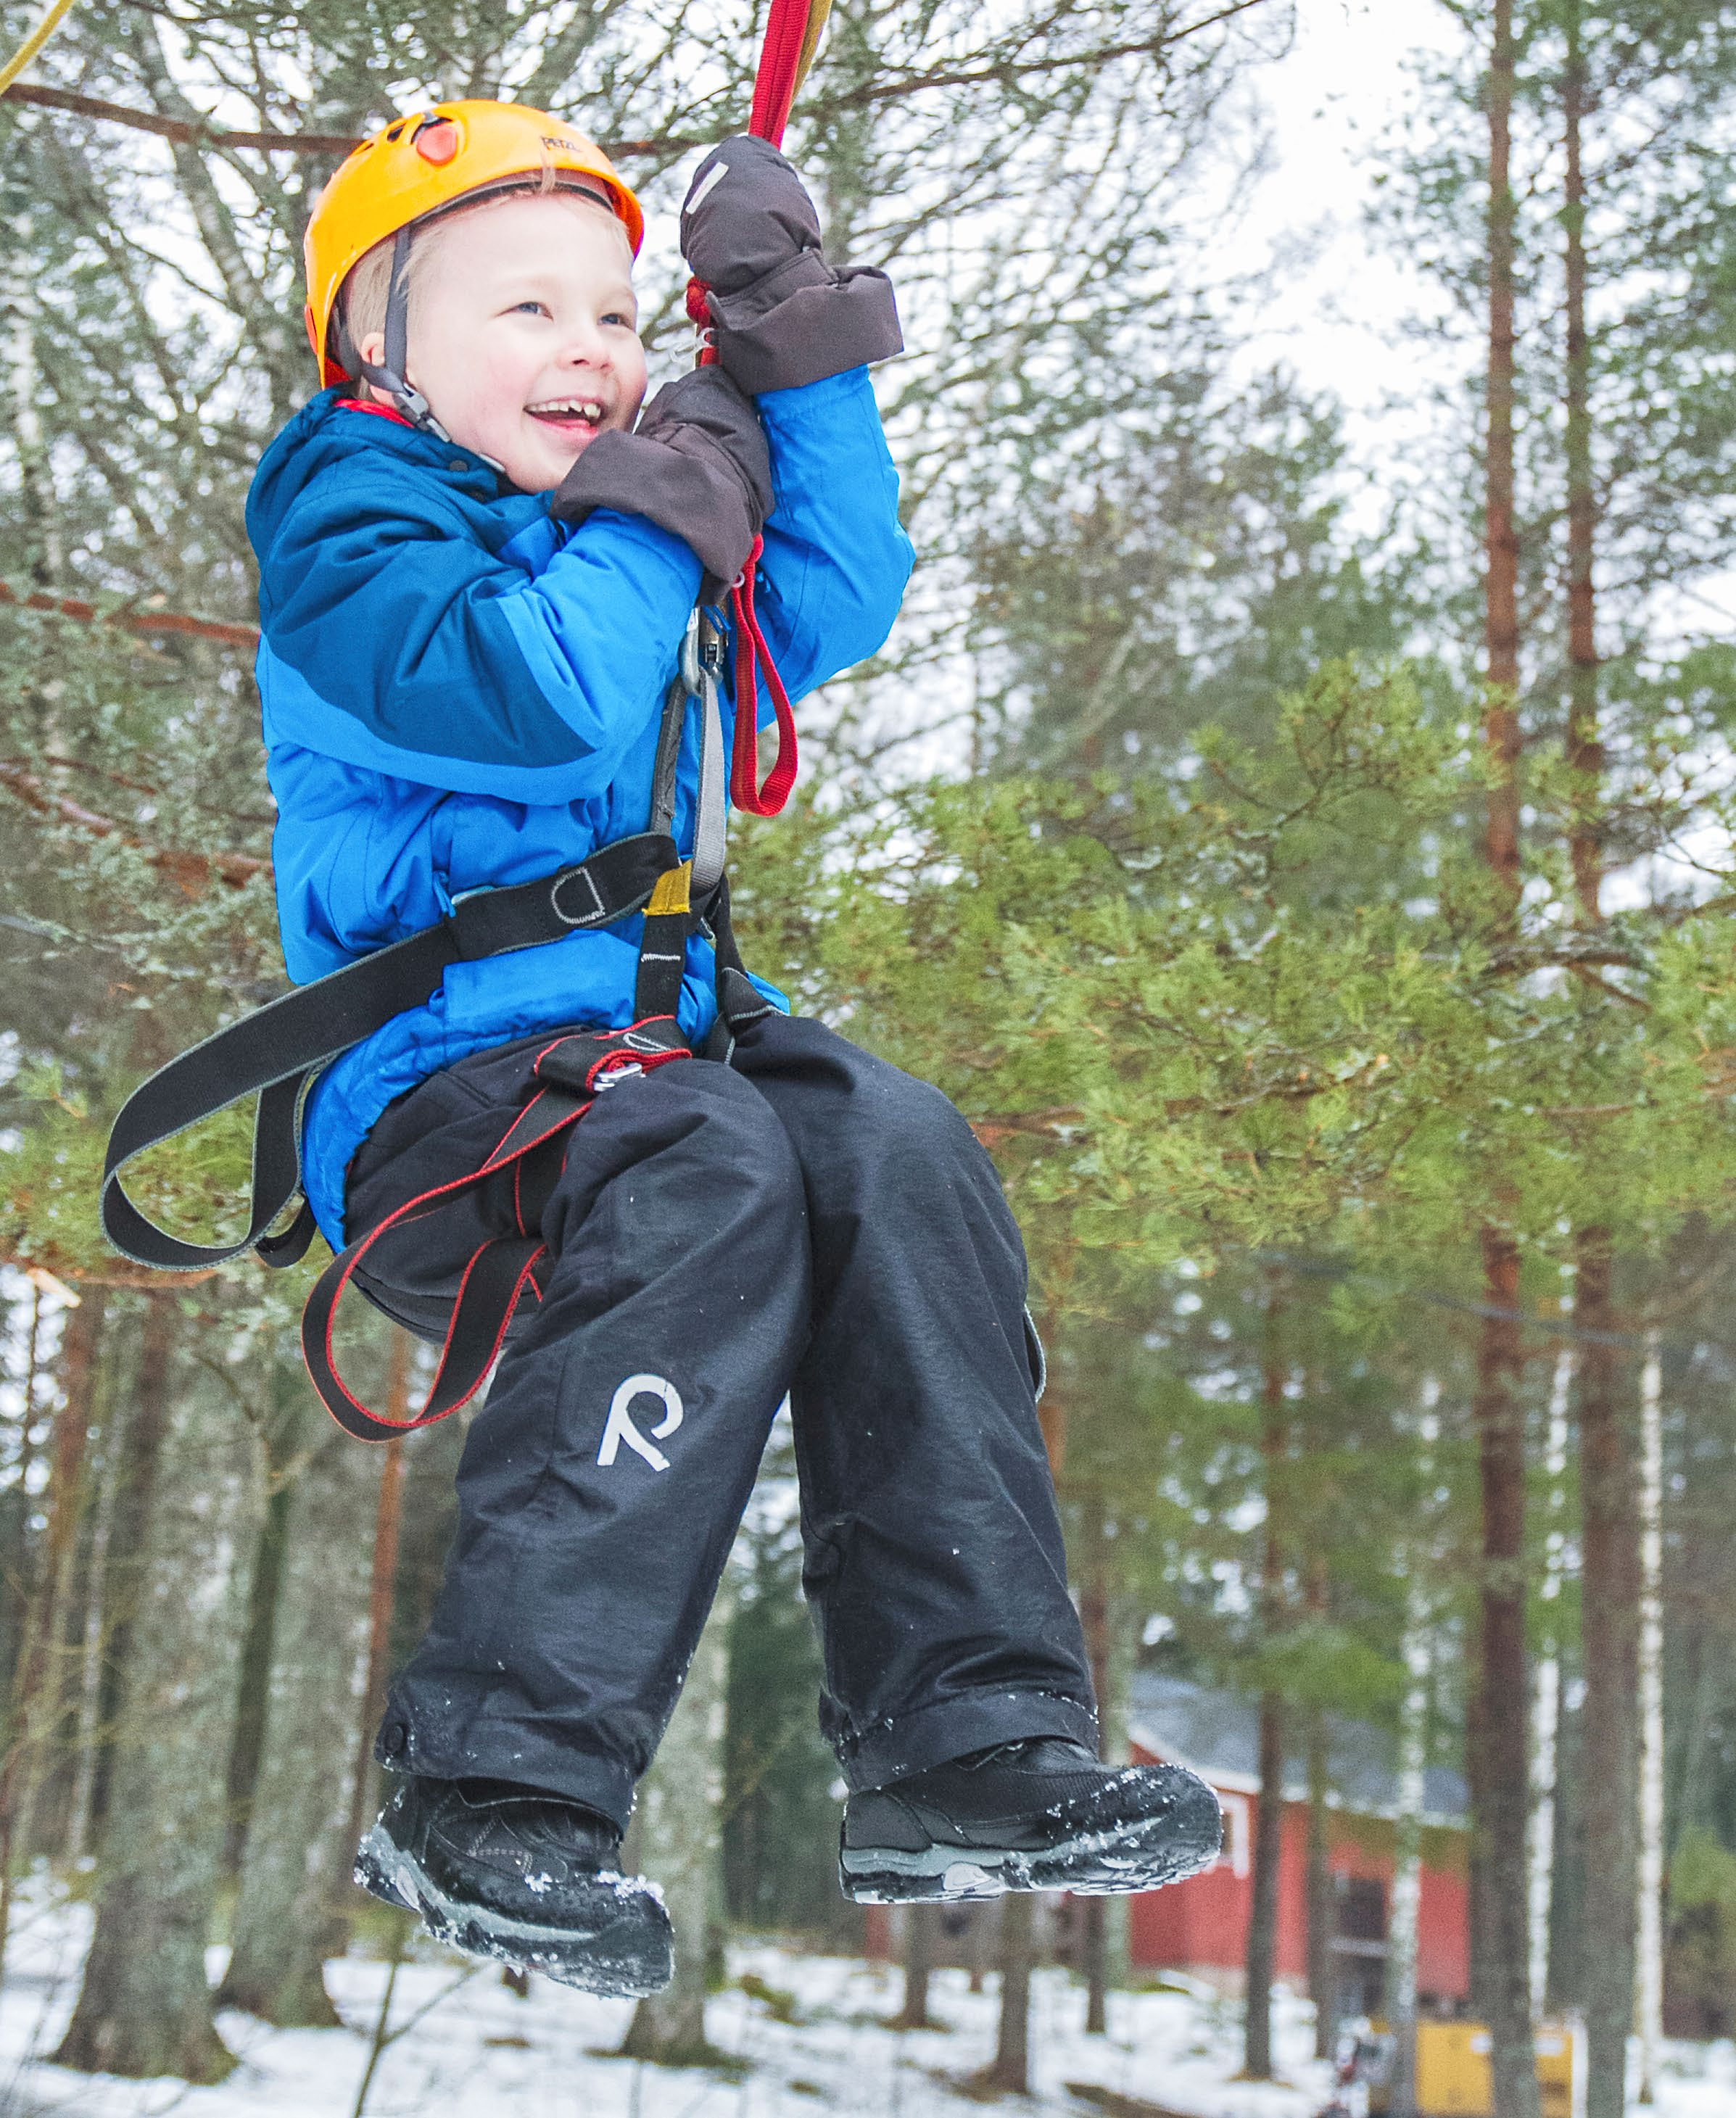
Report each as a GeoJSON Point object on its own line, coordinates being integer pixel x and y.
{"type": "Point", "coordinates": [498, 1272]}
{"type": "Point", "coordinates": [779, 68]}
{"type": "Point", "coordinates": [751, 655]}
{"type": "Point", "coordinates": [774, 83]}
{"type": "Point", "coordinates": [493, 1280]}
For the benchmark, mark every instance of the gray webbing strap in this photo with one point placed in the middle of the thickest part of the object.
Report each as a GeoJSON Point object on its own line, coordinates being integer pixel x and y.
{"type": "Point", "coordinates": [702, 661]}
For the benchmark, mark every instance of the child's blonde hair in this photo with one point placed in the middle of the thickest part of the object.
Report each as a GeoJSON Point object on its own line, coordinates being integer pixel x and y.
{"type": "Point", "coordinates": [362, 301]}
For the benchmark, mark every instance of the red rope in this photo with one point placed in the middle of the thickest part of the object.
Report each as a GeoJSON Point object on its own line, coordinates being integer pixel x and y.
{"type": "Point", "coordinates": [753, 656]}
{"type": "Point", "coordinates": [774, 91]}
{"type": "Point", "coordinates": [781, 56]}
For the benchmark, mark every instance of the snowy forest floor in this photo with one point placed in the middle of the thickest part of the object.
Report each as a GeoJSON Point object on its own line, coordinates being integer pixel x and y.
{"type": "Point", "coordinates": [475, 2048]}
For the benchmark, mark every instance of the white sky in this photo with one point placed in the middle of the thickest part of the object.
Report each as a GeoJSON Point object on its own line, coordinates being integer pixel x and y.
{"type": "Point", "coordinates": [1334, 321]}
{"type": "Point", "coordinates": [1329, 101]}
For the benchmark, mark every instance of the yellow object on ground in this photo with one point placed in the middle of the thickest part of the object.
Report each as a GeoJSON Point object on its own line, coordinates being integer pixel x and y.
{"type": "Point", "coordinates": [1453, 2071]}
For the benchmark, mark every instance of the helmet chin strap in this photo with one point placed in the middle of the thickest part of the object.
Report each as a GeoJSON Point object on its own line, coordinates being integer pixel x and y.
{"type": "Point", "coordinates": [389, 376]}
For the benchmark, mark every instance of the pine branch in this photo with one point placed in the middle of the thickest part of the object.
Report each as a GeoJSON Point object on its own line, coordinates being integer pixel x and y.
{"type": "Point", "coordinates": [1005, 71]}
{"type": "Point", "coordinates": [133, 621]}
{"type": "Point", "coordinates": [200, 132]}
{"type": "Point", "coordinates": [191, 871]}
{"type": "Point", "coordinates": [184, 133]}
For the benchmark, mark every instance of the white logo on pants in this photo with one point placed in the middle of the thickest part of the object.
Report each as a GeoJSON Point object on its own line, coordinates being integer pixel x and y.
{"type": "Point", "coordinates": [619, 1426]}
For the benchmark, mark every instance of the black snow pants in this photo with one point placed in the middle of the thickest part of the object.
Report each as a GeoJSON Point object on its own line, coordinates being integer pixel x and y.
{"type": "Point", "coordinates": [807, 1219]}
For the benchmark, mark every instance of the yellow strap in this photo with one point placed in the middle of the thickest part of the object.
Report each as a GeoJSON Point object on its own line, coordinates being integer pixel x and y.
{"type": "Point", "coordinates": [671, 894]}
{"type": "Point", "coordinates": [46, 25]}
{"type": "Point", "coordinates": [816, 14]}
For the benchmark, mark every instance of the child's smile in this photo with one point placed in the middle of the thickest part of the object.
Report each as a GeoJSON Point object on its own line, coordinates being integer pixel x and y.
{"type": "Point", "coordinates": [574, 412]}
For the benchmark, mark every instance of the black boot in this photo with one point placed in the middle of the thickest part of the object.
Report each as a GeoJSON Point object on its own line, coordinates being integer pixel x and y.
{"type": "Point", "coordinates": [1042, 1814]}
{"type": "Point", "coordinates": [513, 1873]}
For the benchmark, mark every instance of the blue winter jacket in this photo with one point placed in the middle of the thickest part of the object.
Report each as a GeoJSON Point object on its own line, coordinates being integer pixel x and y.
{"type": "Point", "coordinates": [460, 692]}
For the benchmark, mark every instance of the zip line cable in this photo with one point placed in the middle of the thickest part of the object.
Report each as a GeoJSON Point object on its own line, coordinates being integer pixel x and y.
{"type": "Point", "coordinates": [48, 22]}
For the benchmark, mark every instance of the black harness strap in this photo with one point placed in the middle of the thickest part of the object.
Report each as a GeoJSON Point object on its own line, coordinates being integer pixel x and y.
{"type": "Point", "coordinates": [278, 1050]}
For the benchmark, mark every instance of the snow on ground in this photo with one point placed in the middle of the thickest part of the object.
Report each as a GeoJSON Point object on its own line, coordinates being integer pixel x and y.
{"type": "Point", "coordinates": [475, 2048]}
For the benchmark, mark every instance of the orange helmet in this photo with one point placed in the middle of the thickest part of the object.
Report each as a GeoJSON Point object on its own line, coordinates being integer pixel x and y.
{"type": "Point", "coordinates": [422, 164]}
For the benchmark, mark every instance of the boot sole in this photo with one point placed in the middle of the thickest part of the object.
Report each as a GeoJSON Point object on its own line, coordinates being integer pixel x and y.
{"type": "Point", "coordinates": [628, 1960]}
{"type": "Point", "coordinates": [1142, 1856]}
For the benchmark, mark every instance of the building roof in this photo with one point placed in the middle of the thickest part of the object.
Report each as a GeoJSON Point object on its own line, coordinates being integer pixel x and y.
{"type": "Point", "coordinates": [1216, 1734]}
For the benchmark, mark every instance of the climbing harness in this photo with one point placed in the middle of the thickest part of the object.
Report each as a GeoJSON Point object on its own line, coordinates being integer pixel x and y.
{"type": "Point", "coordinates": [278, 1052]}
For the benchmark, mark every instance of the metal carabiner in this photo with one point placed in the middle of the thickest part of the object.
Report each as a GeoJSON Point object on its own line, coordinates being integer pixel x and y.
{"type": "Point", "coordinates": [693, 667]}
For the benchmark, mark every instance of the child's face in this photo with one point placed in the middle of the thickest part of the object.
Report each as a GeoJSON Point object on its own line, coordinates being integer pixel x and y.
{"type": "Point", "coordinates": [523, 333]}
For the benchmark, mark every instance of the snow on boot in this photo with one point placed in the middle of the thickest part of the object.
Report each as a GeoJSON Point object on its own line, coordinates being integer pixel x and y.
{"type": "Point", "coordinates": [1040, 1814]}
{"type": "Point", "coordinates": [523, 1876]}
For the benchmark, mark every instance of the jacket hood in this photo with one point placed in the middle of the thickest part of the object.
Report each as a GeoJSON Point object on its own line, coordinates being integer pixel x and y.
{"type": "Point", "coordinates": [324, 432]}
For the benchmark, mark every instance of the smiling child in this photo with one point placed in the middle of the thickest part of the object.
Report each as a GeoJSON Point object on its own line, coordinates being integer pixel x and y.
{"type": "Point", "coordinates": [478, 564]}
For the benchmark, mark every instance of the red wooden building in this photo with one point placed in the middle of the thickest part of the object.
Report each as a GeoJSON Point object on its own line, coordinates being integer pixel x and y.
{"type": "Point", "coordinates": [1200, 1926]}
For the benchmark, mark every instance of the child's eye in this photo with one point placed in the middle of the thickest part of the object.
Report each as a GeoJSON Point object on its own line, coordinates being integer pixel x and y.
{"type": "Point", "coordinates": [619, 317]}
{"type": "Point", "coordinates": [535, 308]}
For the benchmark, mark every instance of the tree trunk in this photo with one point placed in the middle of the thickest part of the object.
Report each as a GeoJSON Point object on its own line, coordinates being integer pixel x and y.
{"type": "Point", "coordinates": [1321, 1907]}
{"type": "Point", "coordinates": [1649, 1912]}
{"type": "Point", "coordinates": [1262, 1924]}
{"type": "Point", "coordinates": [1403, 1929]}
{"type": "Point", "coordinates": [1262, 1917]}
{"type": "Point", "coordinates": [1093, 1617]}
{"type": "Point", "coordinates": [38, 507]}
{"type": "Point", "coordinates": [1010, 2070]}
{"type": "Point", "coordinates": [88, 1738]}
{"type": "Point", "coordinates": [1546, 1724]}
{"type": "Point", "coordinates": [1584, 750]}
{"type": "Point", "coordinates": [1610, 1586]}
{"type": "Point", "coordinates": [1499, 1760]}
{"type": "Point", "coordinates": [16, 1557]}
{"type": "Point", "coordinates": [1610, 1599]}
{"type": "Point", "coordinates": [1503, 1780]}
{"type": "Point", "coordinates": [679, 1835]}
{"type": "Point", "coordinates": [382, 1585]}
{"type": "Point", "coordinates": [1500, 606]}
{"type": "Point", "coordinates": [83, 1377]}
{"type": "Point", "coordinates": [258, 1650]}
{"type": "Point", "coordinates": [1704, 1659]}
{"type": "Point", "coordinates": [140, 1442]}
{"type": "Point", "coordinates": [297, 1848]}
{"type": "Point", "coordinates": [37, 1677]}
{"type": "Point", "coordinates": [145, 2007]}
{"type": "Point", "coordinates": [1094, 1964]}
{"type": "Point", "coordinates": [919, 1962]}
{"type": "Point", "coordinates": [1476, 1879]}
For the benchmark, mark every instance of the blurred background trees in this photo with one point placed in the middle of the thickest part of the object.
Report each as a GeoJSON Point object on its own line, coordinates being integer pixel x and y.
{"type": "Point", "coordinates": [1311, 877]}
